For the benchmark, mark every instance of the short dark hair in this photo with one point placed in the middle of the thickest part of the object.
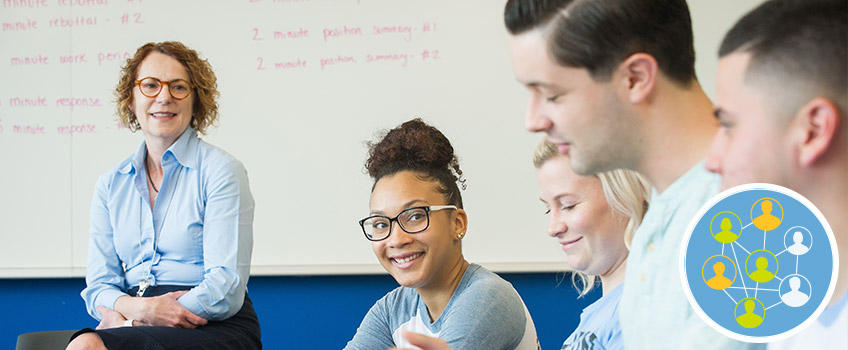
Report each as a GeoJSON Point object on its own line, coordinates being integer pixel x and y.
{"type": "Point", "coordinates": [599, 34]}
{"type": "Point", "coordinates": [804, 42]}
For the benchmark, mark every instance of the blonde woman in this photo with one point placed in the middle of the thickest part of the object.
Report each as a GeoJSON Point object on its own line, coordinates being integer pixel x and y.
{"type": "Point", "coordinates": [593, 217]}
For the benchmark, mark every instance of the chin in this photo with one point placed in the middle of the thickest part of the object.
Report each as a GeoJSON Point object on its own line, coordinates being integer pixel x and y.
{"type": "Point", "coordinates": [408, 281]}
{"type": "Point", "coordinates": [580, 168]}
{"type": "Point", "coordinates": [404, 278]}
{"type": "Point", "coordinates": [577, 265]}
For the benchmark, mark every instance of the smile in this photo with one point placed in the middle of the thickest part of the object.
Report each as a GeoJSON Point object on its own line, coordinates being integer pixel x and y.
{"type": "Point", "coordinates": [406, 261]}
{"type": "Point", "coordinates": [567, 245]}
{"type": "Point", "coordinates": [162, 114]}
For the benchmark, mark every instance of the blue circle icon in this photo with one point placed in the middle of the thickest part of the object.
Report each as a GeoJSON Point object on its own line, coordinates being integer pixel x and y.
{"type": "Point", "coordinates": [784, 281]}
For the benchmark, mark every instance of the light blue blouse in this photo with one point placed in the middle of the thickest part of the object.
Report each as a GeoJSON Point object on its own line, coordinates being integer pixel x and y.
{"type": "Point", "coordinates": [599, 328]}
{"type": "Point", "coordinates": [199, 233]}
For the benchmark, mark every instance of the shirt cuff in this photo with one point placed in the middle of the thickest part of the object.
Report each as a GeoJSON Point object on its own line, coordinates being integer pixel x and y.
{"type": "Point", "coordinates": [107, 299]}
{"type": "Point", "coordinates": [190, 302]}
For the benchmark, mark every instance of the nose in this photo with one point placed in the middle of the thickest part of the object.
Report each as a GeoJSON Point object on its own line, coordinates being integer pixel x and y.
{"type": "Point", "coordinates": [714, 158]}
{"type": "Point", "coordinates": [534, 119]}
{"type": "Point", "coordinates": [398, 237]}
{"type": "Point", "coordinates": [164, 96]}
{"type": "Point", "coordinates": [556, 225]}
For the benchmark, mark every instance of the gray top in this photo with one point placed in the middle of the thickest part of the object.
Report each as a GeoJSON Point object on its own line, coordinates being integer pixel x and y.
{"type": "Point", "coordinates": [485, 312]}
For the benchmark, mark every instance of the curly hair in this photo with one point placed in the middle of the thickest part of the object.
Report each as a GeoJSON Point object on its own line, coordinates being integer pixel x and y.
{"type": "Point", "coordinates": [421, 148]}
{"type": "Point", "coordinates": [205, 107]}
{"type": "Point", "coordinates": [627, 193]}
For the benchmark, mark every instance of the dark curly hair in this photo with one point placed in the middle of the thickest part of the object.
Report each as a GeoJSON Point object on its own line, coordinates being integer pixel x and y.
{"type": "Point", "coordinates": [200, 74]}
{"type": "Point", "coordinates": [418, 147]}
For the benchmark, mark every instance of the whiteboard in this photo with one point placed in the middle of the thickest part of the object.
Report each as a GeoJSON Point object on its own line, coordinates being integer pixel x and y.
{"type": "Point", "coordinates": [304, 83]}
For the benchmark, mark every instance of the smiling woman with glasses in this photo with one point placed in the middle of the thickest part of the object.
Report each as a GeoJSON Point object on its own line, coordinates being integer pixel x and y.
{"type": "Point", "coordinates": [416, 226]}
{"type": "Point", "coordinates": [172, 224]}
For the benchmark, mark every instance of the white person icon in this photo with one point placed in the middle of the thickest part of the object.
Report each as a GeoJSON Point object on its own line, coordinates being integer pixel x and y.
{"type": "Point", "coordinates": [798, 247]}
{"type": "Point", "coordinates": [794, 298]}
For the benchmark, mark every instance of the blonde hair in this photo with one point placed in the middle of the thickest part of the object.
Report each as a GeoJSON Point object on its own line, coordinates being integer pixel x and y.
{"type": "Point", "coordinates": [626, 191]}
{"type": "Point", "coordinates": [205, 105]}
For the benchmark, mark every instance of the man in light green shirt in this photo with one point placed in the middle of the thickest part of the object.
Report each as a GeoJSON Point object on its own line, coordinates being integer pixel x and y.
{"type": "Point", "coordinates": [613, 85]}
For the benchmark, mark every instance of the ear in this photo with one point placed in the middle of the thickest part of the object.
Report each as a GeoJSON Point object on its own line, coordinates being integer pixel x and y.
{"type": "Point", "coordinates": [460, 222]}
{"type": "Point", "coordinates": [637, 75]}
{"type": "Point", "coordinates": [818, 122]}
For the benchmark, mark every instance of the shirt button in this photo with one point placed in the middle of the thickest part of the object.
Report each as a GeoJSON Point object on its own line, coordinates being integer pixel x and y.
{"type": "Point", "coordinates": [643, 278]}
{"type": "Point", "coordinates": [650, 247]}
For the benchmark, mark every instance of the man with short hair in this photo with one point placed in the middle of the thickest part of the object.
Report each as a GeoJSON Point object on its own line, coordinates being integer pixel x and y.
{"type": "Point", "coordinates": [613, 84]}
{"type": "Point", "coordinates": [781, 99]}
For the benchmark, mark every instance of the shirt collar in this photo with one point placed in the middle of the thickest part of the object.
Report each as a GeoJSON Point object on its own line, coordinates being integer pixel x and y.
{"type": "Point", "coordinates": [180, 150]}
{"type": "Point", "coordinates": [692, 178]}
{"type": "Point", "coordinates": [831, 313]}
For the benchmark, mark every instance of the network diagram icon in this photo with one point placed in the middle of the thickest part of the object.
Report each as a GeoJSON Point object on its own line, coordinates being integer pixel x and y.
{"type": "Point", "coordinates": [758, 263]}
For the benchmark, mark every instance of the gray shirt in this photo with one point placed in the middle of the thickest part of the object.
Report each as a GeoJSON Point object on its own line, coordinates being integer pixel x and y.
{"type": "Point", "coordinates": [485, 312]}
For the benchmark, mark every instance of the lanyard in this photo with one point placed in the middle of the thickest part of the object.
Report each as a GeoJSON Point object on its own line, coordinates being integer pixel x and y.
{"type": "Point", "coordinates": [145, 282]}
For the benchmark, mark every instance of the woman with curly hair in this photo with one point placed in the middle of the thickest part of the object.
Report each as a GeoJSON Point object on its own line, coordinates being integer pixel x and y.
{"type": "Point", "coordinates": [170, 272]}
{"type": "Point", "coordinates": [416, 227]}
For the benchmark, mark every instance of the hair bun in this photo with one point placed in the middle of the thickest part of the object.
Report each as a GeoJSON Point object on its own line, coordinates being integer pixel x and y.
{"type": "Point", "coordinates": [414, 145]}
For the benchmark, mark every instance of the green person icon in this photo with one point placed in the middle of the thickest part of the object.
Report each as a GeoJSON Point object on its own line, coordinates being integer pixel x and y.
{"type": "Point", "coordinates": [749, 319]}
{"type": "Point", "coordinates": [725, 236]}
{"type": "Point", "coordinates": [761, 274]}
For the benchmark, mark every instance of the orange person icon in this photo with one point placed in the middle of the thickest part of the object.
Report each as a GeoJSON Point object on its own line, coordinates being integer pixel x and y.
{"type": "Point", "coordinates": [719, 282]}
{"type": "Point", "coordinates": [766, 221]}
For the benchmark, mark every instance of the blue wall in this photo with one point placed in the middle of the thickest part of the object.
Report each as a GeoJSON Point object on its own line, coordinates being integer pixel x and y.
{"type": "Point", "coordinates": [311, 312]}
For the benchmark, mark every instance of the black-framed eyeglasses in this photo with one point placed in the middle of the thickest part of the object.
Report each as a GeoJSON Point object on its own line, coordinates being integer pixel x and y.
{"type": "Point", "coordinates": [411, 220]}
{"type": "Point", "coordinates": [151, 87]}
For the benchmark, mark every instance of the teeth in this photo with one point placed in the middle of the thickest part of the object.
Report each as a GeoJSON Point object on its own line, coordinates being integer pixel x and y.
{"type": "Point", "coordinates": [159, 115]}
{"type": "Point", "coordinates": [408, 259]}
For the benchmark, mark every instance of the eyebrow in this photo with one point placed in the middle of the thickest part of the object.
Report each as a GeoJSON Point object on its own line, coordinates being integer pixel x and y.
{"type": "Point", "coordinates": [559, 197]}
{"type": "Point", "coordinates": [536, 84]}
{"type": "Point", "coordinates": [178, 79]}
{"type": "Point", "coordinates": [405, 206]}
{"type": "Point", "coordinates": [160, 79]}
{"type": "Point", "coordinates": [532, 83]}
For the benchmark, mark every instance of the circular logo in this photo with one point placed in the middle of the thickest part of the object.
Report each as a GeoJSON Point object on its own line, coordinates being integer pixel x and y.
{"type": "Point", "coordinates": [749, 266]}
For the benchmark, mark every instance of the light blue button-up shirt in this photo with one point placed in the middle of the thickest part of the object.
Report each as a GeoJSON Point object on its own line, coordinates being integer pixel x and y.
{"type": "Point", "coordinates": [654, 312]}
{"type": "Point", "coordinates": [199, 233]}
